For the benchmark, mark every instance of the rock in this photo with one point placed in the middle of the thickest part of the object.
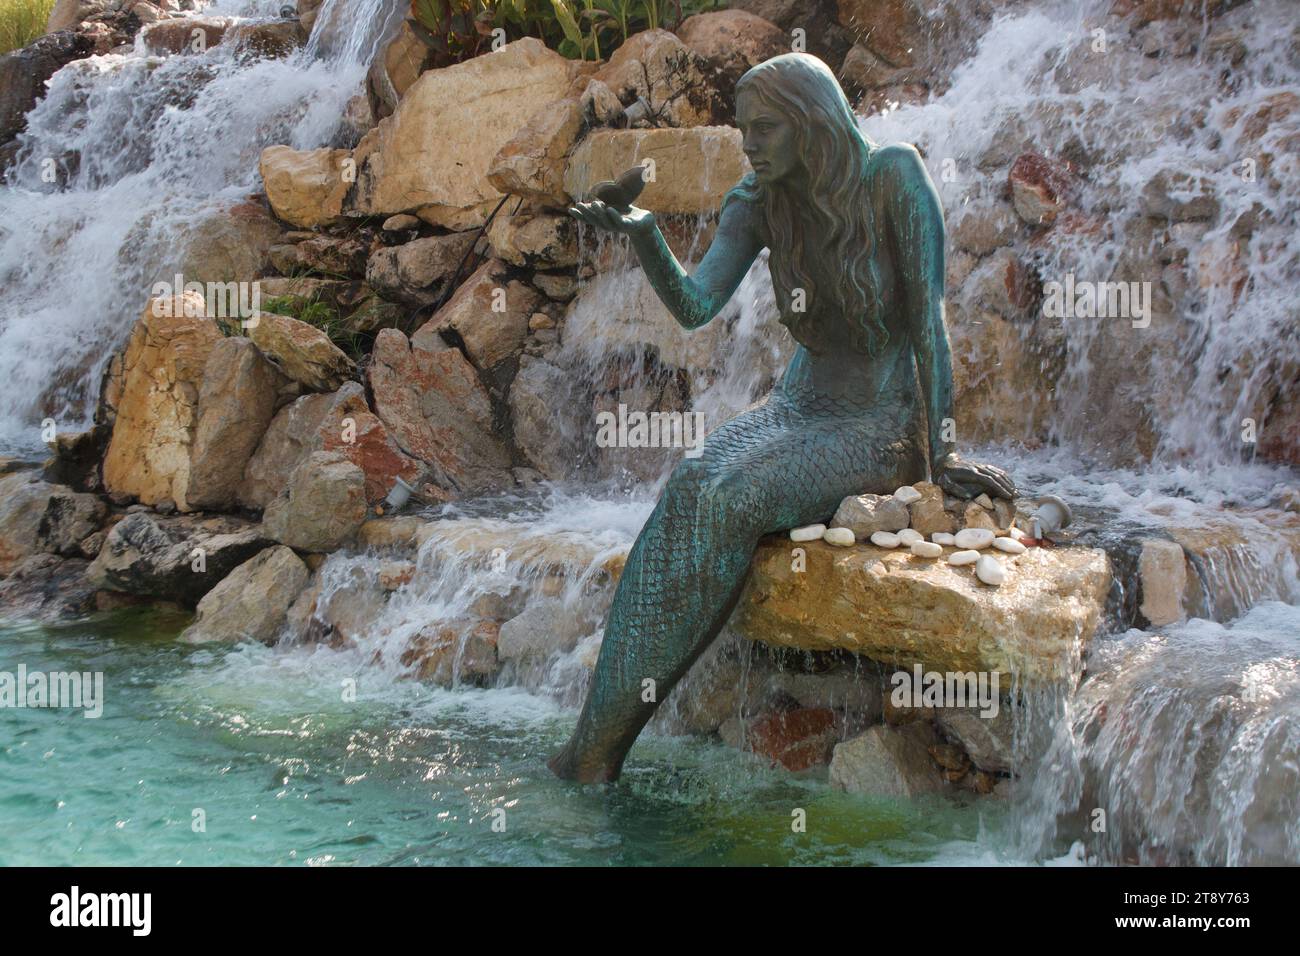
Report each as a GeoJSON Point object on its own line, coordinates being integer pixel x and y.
{"type": "Point", "coordinates": [812, 532]}
{"type": "Point", "coordinates": [729, 42]}
{"type": "Point", "coordinates": [537, 390]}
{"type": "Point", "coordinates": [943, 539]}
{"type": "Point", "coordinates": [188, 34]}
{"type": "Point", "coordinates": [323, 505]}
{"type": "Point", "coordinates": [1162, 572]}
{"type": "Point", "coordinates": [437, 410]}
{"type": "Point", "coordinates": [656, 65]}
{"type": "Point", "coordinates": [976, 539]}
{"type": "Point", "coordinates": [906, 495]}
{"type": "Point", "coordinates": [433, 154]}
{"type": "Point", "coordinates": [418, 272]}
{"type": "Point", "coordinates": [989, 570]}
{"type": "Point", "coordinates": [302, 352]}
{"type": "Point", "coordinates": [1040, 188]}
{"type": "Point", "coordinates": [887, 762]}
{"type": "Point", "coordinates": [24, 72]}
{"type": "Point", "coordinates": [488, 312]}
{"type": "Point", "coordinates": [227, 243]}
{"type": "Point", "coordinates": [397, 68]}
{"type": "Point", "coordinates": [332, 256]}
{"type": "Point", "coordinates": [990, 741]}
{"type": "Point", "coordinates": [41, 518]}
{"type": "Point", "coordinates": [985, 227]}
{"type": "Point", "coordinates": [252, 601]}
{"type": "Point", "coordinates": [395, 574]}
{"type": "Point", "coordinates": [885, 539]}
{"type": "Point", "coordinates": [456, 653]}
{"type": "Point", "coordinates": [977, 519]}
{"type": "Point", "coordinates": [839, 537]}
{"type": "Point", "coordinates": [179, 558]}
{"type": "Point", "coordinates": [927, 513]}
{"type": "Point", "coordinates": [864, 515]}
{"type": "Point", "coordinates": [544, 629]}
{"type": "Point", "coordinates": [960, 558]}
{"type": "Point", "coordinates": [1009, 545]}
{"type": "Point", "coordinates": [306, 187]}
{"type": "Point", "coordinates": [76, 458]}
{"type": "Point", "coordinates": [887, 606]}
{"type": "Point", "coordinates": [340, 422]}
{"type": "Point", "coordinates": [267, 38]}
{"type": "Point", "coordinates": [984, 501]}
{"type": "Point", "coordinates": [43, 587]}
{"type": "Point", "coordinates": [402, 222]}
{"type": "Point", "coordinates": [162, 370]}
{"type": "Point", "coordinates": [796, 739]}
{"type": "Point", "coordinates": [67, 14]}
{"type": "Point", "coordinates": [926, 549]}
{"type": "Point", "coordinates": [531, 164]}
{"type": "Point", "coordinates": [1179, 196]}
{"type": "Point", "coordinates": [146, 13]}
{"type": "Point", "coordinates": [237, 400]}
{"type": "Point", "coordinates": [389, 533]}
{"type": "Point", "coordinates": [910, 536]}
{"type": "Point", "coordinates": [535, 241]}
{"type": "Point", "coordinates": [694, 168]}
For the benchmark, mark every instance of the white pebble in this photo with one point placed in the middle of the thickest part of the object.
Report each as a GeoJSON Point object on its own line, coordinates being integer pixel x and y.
{"type": "Point", "coordinates": [926, 549]}
{"type": "Point", "coordinates": [989, 570]}
{"type": "Point", "coordinates": [1014, 532]}
{"type": "Point", "coordinates": [1009, 545]}
{"type": "Point", "coordinates": [885, 539]}
{"type": "Point", "coordinates": [963, 557]}
{"type": "Point", "coordinates": [812, 532]}
{"type": "Point", "coordinates": [943, 538]}
{"type": "Point", "coordinates": [840, 537]}
{"type": "Point", "coordinates": [907, 494]}
{"type": "Point", "coordinates": [909, 536]}
{"type": "Point", "coordinates": [976, 538]}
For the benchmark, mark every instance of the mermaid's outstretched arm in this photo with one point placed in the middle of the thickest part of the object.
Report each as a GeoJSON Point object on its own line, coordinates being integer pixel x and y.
{"type": "Point", "coordinates": [692, 300]}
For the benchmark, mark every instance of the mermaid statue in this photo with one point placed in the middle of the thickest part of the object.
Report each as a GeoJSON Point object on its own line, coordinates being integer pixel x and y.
{"type": "Point", "coordinates": [856, 252]}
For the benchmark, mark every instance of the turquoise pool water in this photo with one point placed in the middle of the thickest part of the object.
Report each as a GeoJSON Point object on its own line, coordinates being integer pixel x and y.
{"type": "Point", "coordinates": [268, 749]}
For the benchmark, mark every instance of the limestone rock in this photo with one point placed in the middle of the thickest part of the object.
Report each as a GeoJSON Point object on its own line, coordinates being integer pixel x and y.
{"type": "Point", "coordinates": [1040, 188]}
{"type": "Point", "coordinates": [236, 403]}
{"type": "Point", "coordinates": [251, 603]}
{"type": "Point", "coordinates": [23, 72]}
{"type": "Point", "coordinates": [928, 515]}
{"type": "Point", "coordinates": [990, 741]}
{"type": "Point", "coordinates": [41, 518]}
{"type": "Point", "coordinates": [729, 42]}
{"type": "Point", "coordinates": [306, 187]}
{"type": "Point", "coordinates": [796, 739]}
{"type": "Point", "coordinates": [177, 558]}
{"type": "Point", "coordinates": [302, 352]}
{"type": "Point", "coordinates": [864, 515]}
{"type": "Point", "coordinates": [179, 35]}
{"type": "Point", "coordinates": [66, 14]}
{"type": "Point", "coordinates": [891, 607]}
{"type": "Point", "coordinates": [417, 272]}
{"type": "Point", "coordinates": [162, 371]}
{"type": "Point", "coordinates": [323, 505]}
{"type": "Point", "coordinates": [438, 411]}
{"type": "Point", "coordinates": [267, 38]}
{"type": "Point", "coordinates": [453, 653]}
{"type": "Point", "coordinates": [43, 587]}
{"type": "Point", "coordinates": [532, 163]}
{"type": "Point", "coordinates": [888, 762]}
{"type": "Point", "coordinates": [544, 629]}
{"type": "Point", "coordinates": [537, 390]}
{"type": "Point", "coordinates": [535, 241]}
{"type": "Point", "coordinates": [1162, 571]}
{"type": "Point", "coordinates": [488, 312]}
{"type": "Point", "coordinates": [656, 65]}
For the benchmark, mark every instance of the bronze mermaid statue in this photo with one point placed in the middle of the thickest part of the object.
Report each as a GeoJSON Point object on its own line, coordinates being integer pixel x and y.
{"type": "Point", "coordinates": [856, 239]}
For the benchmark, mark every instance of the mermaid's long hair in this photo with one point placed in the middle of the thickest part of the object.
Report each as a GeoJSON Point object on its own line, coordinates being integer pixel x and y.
{"type": "Point", "coordinates": [836, 268]}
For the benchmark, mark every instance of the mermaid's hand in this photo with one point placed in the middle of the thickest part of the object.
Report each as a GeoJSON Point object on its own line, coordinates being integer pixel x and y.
{"type": "Point", "coordinates": [964, 479]}
{"type": "Point", "coordinates": [598, 214]}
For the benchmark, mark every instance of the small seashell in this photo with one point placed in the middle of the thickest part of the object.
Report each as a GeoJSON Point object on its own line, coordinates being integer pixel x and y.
{"type": "Point", "coordinates": [989, 570]}
{"type": "Point", "coordinates": [1009, 545]}
{"type": "Point", "coordinates": [840, 537]}
{"type": "Point", "coordinates": [926, 549]}
{"type": "Point", "coordinates": [812, 532]}
{"type": "Point", "coordinates": [958, 558]}
{"type": "Point", "coordinates": [907, 494]}
{"type": "Point", "coordinates": [885, 539]}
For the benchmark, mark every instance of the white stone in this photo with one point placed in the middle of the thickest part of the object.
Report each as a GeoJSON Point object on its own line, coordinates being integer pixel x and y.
{"type": "Point", "coordinates": [989, 570]}
{"type": "Point", "coordinates": [840, 537]}
{"type": "Point", "coordinates": [907, 494]}
{"type": "Point", "coordinates": [943, 538]}
{"type": "Point", "coordinates": [812, 532]}
{"type": "Point", "coordinates": [926, 549]}
{"type": "Point", "coordinates": [910, 536]}
{"type": "Point", "coordinates": [1014, 532]}
{"type": "Point", "coordinates": [885, 539]}
{"type": "Point", "coordinates": [1009, 545]}
{"type": "Point", "coordinates": [959, 558]}
{"type": "Point", "coordinates": [976, 538]}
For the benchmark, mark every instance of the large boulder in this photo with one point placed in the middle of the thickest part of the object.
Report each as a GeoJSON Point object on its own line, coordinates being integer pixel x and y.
{"type": "Point", "coordinates": [435, 407]}
{"type": "Point", "coordinates": [37, 517]}
{"type": "Point", "coordinates": [302, 352]}
{"type": "Point", "coordinates": [729, 42]}
{"type": "Point", "coordinates": [905, 610]}
{"type": "Point", "coordinates": [236, 403]}
{"type": "Point", "coordinates": [432, 155]}
{"type": "Point", "coordinates": [694, 167]}
{"type": "Point", "coordinates": [23, 74]}
{"type": "Point", "coordinates": [323, 505]}
{"type": "Point", "coordinates": [532, 163]}
{"type": "Point", "coordinates": [177, 558]}
{"type": "Point", "coordinates": [251, 603]}
{"type": "Point", "coordinates": [44, 587]}
{"type": "Point", "coordinates": [660, 68]}
{"type": "Point", "coordinates": [306, 187]}
{"type": "Point", "coordinates": [888, 762]}
{"type": "Point", "coordinates": [489, 312]}
{"type": "Point", "coordinates": [342, 422]}
{"type": "Point", "coordinates": [227, 244]}
{"type": "Point", "coordinates": [535, 241]}
{"type": "Point", "coordinates": [417, 272]}
{"type": "Point", "coordinates": [161, 373]}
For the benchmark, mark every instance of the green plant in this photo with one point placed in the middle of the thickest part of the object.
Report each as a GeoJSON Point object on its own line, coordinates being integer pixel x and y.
{"type": "Point", "coordinates": [22, 21]}
{"type": "Point", "coordinates": [321, 315]}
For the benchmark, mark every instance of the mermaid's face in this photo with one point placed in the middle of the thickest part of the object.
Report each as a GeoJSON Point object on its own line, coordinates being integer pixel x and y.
{"type": "Point", "coordinates": [769, 139]}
